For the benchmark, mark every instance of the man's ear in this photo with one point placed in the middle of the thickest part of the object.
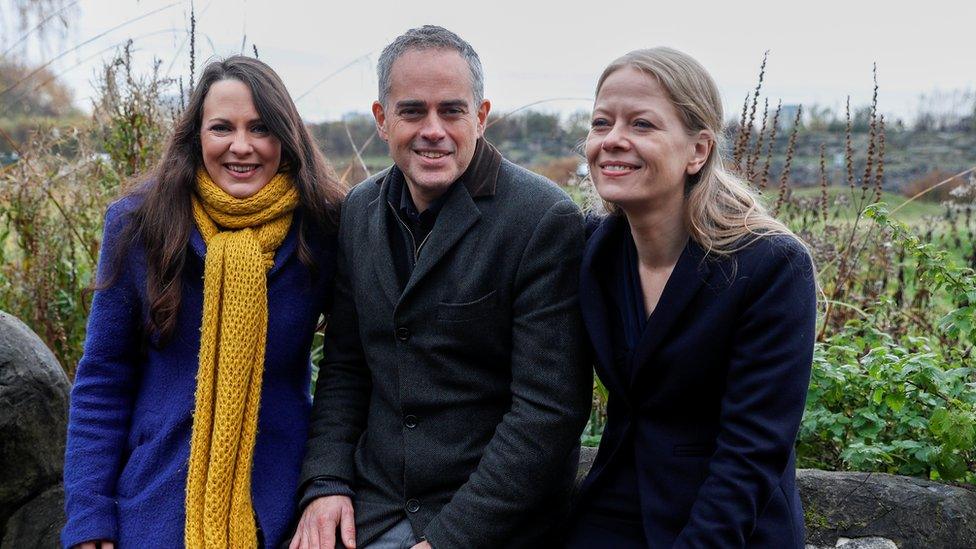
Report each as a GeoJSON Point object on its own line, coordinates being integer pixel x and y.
{"type": "Point", "coordinates": [380, 115]}
{"type": "Point", "coordinates": [483, 111]}
{"type": "Point", "coordinates": [702, 148]}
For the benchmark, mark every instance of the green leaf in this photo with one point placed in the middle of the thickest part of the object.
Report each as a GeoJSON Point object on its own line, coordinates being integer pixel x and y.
{"type": "Point", "coordinates": [895, 401]}
{"type": "Point", "coordinates": [938, 421]}
{"type": "Point", "coordinates": [950, 466]}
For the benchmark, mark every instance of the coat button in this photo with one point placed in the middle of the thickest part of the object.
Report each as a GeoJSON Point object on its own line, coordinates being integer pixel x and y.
{"type": "Point", "coordinates": [413, 506]}
{"type": "Point", "coordinates": [402, 333]}
{"type": "Point", "coordinates": [410, 421]}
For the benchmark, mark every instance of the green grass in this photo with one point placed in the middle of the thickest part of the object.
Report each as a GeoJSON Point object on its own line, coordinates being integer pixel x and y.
{"type": "Point", "coordinates": [913, 214]}
{"type": "Point", "coordinates": [574, 192]}
{"type": "Point", "coordinates": [372, 161]}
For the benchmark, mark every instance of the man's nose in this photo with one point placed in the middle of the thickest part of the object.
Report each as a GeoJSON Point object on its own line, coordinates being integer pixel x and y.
{"type": "Point", "coordinates": [433, 128]}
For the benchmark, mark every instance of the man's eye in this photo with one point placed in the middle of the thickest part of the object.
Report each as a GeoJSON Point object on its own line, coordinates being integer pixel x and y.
{"type": "Point", "coordinates": [454, 111]}
{"type": "Point", "coordinates": [410, 113]}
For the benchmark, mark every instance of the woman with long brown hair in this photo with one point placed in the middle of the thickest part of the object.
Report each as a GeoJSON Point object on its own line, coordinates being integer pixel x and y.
{"type": "Point", "coordinates": [190, 405]}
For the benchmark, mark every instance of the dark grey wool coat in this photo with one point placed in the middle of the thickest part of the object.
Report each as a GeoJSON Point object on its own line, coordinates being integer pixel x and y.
{"type": "Point", "coordinates": [458, 402]}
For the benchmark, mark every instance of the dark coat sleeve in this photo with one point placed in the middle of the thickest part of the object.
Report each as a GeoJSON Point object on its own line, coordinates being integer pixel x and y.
{"type": "Point", "coordinates": [343, 386]}
{"type": "Point", "coordinates": [102, 398]}
{"type": "Point", "coordinates": [766, 387]}
{"type": "Point", "coordinates": [550, 393]}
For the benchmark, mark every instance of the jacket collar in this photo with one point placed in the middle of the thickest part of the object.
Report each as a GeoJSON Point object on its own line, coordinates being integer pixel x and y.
{"type": "Point", "coordinates": [689, 274]}
{"type": "Point", "coordinates": [458, 214]}
{"type": "Point", "coordinates": [481, 177]}
{"type": "Point", "coordinates": [594, 306]}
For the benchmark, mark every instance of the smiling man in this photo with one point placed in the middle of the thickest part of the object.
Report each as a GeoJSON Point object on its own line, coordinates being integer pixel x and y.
{"type": "Point", "coordinates": [452, 393]}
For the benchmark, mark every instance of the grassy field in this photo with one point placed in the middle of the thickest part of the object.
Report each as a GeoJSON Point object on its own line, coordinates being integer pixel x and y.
{"type": "Point", "coordinates": [844, 202]}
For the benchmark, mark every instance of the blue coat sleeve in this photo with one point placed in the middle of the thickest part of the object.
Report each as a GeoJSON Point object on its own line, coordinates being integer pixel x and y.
{"type": "Point", "coordinates": [102, 399]}
{"type": "Point", "coordinates": [769, 370]}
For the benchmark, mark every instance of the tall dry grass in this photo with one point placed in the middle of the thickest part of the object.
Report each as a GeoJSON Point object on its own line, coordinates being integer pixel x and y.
{"type": "Point", "coordinates": [53, 198]}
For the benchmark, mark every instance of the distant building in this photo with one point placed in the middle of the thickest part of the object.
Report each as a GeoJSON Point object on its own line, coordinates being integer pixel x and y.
{"type": "Point", "coordinates": [787, 116]}
{"type": "Point", "coordinates": [839, 159]}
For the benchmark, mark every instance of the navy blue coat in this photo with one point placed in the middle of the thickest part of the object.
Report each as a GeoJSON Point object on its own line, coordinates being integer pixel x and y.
{"type": "Point", "coordinates": [712, 410]}
{"type": "Point", "coordinates": [132, 404]}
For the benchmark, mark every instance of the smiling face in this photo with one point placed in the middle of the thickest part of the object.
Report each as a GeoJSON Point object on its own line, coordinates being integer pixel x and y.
{"type": "Point", "coordinates": [239, 152]}
{"type": "Point", "coordinates": [430, 120]}
{"type": "Point", "coordinates": [638, 149]}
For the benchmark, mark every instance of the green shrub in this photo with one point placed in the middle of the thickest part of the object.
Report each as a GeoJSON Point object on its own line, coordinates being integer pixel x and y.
{"type": "Point", "coordinates": [900, 404]}
{"type": "Point", "coordinates": [877, 403]}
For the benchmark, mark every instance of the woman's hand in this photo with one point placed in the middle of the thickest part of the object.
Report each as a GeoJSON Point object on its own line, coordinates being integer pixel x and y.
{"type": "Point", "coordinates": [96, 544]}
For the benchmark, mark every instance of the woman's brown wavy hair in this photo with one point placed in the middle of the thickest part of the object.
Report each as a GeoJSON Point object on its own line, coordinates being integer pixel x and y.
{"type": "Point", "coordinates": [162, 221]}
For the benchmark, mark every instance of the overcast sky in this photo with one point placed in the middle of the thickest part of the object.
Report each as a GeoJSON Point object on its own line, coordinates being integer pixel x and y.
{"type": "Point", "coordinates": [820, 51]}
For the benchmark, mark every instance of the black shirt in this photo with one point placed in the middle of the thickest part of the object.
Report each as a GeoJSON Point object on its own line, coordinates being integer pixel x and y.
{"type": "Point", "coordinates": [409, 229]}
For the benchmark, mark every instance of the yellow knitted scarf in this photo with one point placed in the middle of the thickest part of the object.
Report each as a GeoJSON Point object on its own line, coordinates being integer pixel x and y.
{"type": "Point", "coordinates": [241, 236]}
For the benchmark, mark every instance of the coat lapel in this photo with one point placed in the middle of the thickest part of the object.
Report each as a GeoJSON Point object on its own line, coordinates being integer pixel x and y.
{"type": "Point", "coordinates": [686, 279]}
{"type": "Point", "coordinates": [381, 252]}
{"type": "Point", "coordinates": [460, 212]}
{"type": "Point", "coordinates": [287, 247]}
{"type": "Point", "coordinates": [594, 306]}
{"type": "Point", "coordinates": [458, 215]}
{"type": "Point", "coordinates": [197, 244]}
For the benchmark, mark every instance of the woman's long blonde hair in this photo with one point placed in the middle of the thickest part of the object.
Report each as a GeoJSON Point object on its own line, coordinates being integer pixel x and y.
{"type": "Point", "coordinates": [723, 215]}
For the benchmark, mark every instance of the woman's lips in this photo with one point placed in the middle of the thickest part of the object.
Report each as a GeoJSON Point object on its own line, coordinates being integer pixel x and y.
{"type": "Point", "coordinates": [241, 171]}
{"type": "Point", "coordinates": [616, 169]}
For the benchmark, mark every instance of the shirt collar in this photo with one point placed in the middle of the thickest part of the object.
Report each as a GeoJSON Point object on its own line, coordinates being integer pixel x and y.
{"type": "Point", "coordinates": [400, 199]}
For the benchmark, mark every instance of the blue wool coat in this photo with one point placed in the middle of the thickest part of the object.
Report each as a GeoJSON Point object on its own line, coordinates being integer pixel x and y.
{"type": "Point", "coordinates": [132, 402]}
{"type": "Point", "coordinates": [711, 411]}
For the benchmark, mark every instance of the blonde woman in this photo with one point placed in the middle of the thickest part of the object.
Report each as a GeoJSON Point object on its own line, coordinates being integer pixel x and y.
{"type": "Point", "coordinates": [700, 308]}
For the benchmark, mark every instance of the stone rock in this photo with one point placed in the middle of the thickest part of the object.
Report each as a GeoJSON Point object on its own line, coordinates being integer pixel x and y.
{"type": "Point", "coordinates": [866, 543]}
{"type": "Point", "coordinates": [909, 512]}
{"type": "Point", "coordinates": [33, 417]}
{"type": "Point", "coordinates": [38, 522]}
{"type": "Point", "coordinates": [858, 543]}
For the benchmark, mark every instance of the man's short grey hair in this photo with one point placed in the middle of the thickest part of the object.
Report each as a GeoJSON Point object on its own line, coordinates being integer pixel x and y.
{"type": "Point", "coordinates": [429, 37]}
